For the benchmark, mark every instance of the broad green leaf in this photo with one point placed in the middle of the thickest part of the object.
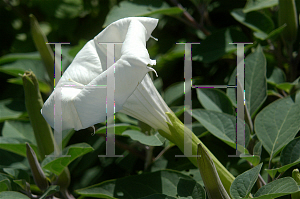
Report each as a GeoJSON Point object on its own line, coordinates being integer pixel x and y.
{"type": "Point", "coordinates": [158, 196]}
{"type": "Point", "coordinates": [275, 75]}
{"type": "Point", "coordinates": [215, 100]}
{"type": "Point", "coordinates": [217, 44]}
{"type": "Point", "coordinates": [67, 134]}
{"type": "Point", "coordinates": [277, 188]}
{"type": "Point", "coordinates": [271, 172]}
{"type": "Point", "coordinates": [256, 21]}
{"type": "Point", "coordinates": [151, 140]}
{"type": "Point", "coordinates": [286, 86]}
{"type": "Point", "coordinates": [119, 128]}
{"type": "Point", "coordinates": [139, 8]}
{"type": "Point", "coordinates": [18, 129]}
{"type": "Point", "coordinates": [20, 66]}
{"type": "Point", "coordinates": [259, 4]}
{"type": "Point", "coordinates": [16, 56]}
{"type": "Point", "coordinates": [136, 186]}
{"type": "Point", "coordinates": [17, 173]}
{"type": "Point", "coordinates": [12, 195]}
{"type": "Point", "coordinates": [5, 184]}
{"type": "Point", "coordinates": [254, 159]}
{"type": "Point", "coordinates": [190, 188]}
{"type": "Point", "coordinates": [255, 77]}
{"type": "Point", "coordinates": [242, 185]}
{"type": "Point", "coordinates": [174, 92]}
{"type": "Point", "coordinates": [15, 145]}
{"type": "Point", "coordinates": [257, 148]}
{"type": "Point", "coordinates": [9, 109]}
{"type": "Point", "coordinates": [290, 155]}
{"type": "Point", "coordinates": [126, 119]}
{"type": "Point", "coordinates": [51, 190]}
{"type": "Point", "coordinates": [44, 87]}
{"type": "Point", "coordinates": [255, 80]}
{"type": "Point", "coordinates": [277, 124]}
{"type": "Point", "coordinates": [272, 35]}
{"type": "Point", "coordinates": [57, 164]}
{"type": "Point", "coordinates": [223, 126]}
{"type": "Point", "coordinates": [212, 182]}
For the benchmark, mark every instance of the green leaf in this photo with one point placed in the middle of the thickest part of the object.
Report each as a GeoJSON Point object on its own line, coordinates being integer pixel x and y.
{"type": "Point", "coordinates": [20, 66]}
{"type": "Point", "coordinates": [242, 185]}
{"type": "Point", "coordinates": [174, 92]}
{"type": "Point", "coordinates": [15, 145]}
{"type": "Point", "coordinates": [8, 109]}
{"type": "Point", "coordinates": [12, 195]}
{"type": "Point", "coordinates": [5, 184]}
{"type": "Point", "coordinates": [290, 155]}
{"type": "Point", "coordinates": [277, 188]}
{"type": "Point", "coordinates": [277, 124]}
{"type": "Point", "coordinates": [209, 175]}
{"type": "Point", "coordinates": [215, 100]}
{"type": "Point", "coordinates": [217, 44]}
{"type": "Point", "coordinates": [119, 128]}
{"type": "Point", "coordinates": [151, 140]}
{"type": "Point", "coordinates": [286, 86]}
{"type": "Point", "coordinates": [18, 129]}
{"type": "Point", "coordinates": [254, 159]}
{"type": "Point", "coordinates": [17, 173]}
{"type": "Point", "coordinates": [67, 134]}
{"type": "Point", "coordinates": [272, 35]}
{"type": "Point", "coordinates": [259, 4]}
{"type": "Point", "coordinates": [223, 126]}
{"type": "Point", "coordinates": [51, 190]}
{"type": "Point", "coordinates": [271, 172]}
{"type": "Point", "coordinates": [160, 182]}
{"type": "Point", "coordinates": [275, 75]}
{"type": "Point", "coordinates": [136, 8]}
{"type": "Point", "coordinates": [255, 77]}
{"type": "Point", "coordinates": [190, 188]}
{"type": "Point", "coordinates": [57, 164]}
{"type": "Point", "coordinates": [256, 21]}
{"type": "Point", "coordinates": [44, 87]}
{"type": "Point", "coordinates": [158, 196]}
{"type": "Point", "coordinates": [16, 56]}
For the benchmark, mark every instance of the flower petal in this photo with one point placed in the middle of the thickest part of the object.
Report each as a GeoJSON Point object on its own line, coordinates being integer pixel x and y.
{"type": "Point", "coordinates": [84, 107]}
{"type": "Point", "coordinates": [147, 105]}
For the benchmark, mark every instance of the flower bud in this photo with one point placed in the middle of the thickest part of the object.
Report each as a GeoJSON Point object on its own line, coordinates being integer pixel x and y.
{"type": "Point", "coordinates": [36, 169]}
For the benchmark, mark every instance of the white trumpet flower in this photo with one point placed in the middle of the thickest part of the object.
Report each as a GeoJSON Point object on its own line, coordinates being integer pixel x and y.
{"type": "Point", "coordinates": [85, 105]}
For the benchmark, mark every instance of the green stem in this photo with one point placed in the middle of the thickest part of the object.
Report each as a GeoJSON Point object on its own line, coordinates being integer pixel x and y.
{"type": "Point", "coordinates": [176, 135]}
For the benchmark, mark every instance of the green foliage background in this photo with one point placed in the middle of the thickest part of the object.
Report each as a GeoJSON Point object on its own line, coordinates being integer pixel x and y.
{"type": "Point", "coordinates": [271, 86]}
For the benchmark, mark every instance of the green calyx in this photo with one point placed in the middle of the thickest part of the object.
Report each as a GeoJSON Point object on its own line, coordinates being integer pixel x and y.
{"type": "Point", "coordinates": [178, 131]}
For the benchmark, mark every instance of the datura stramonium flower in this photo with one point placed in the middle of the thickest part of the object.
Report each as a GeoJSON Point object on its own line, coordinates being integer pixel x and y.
{"type": "Point", "coordinates": [134, 94]}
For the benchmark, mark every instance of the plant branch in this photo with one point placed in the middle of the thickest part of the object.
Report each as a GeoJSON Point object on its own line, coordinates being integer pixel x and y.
{"type": "Point", "coordinates": [191, 19]}
{"type": "Point", "coordinates": [162, 153]}
{"type": "Point", "coordinates": [263, 183]}
{"type": "Point", "coordinates": [269, 167]}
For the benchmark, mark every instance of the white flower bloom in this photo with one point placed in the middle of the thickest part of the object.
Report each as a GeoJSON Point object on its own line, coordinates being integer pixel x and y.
{"type": "Point", "coordinates": [135, 92]}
